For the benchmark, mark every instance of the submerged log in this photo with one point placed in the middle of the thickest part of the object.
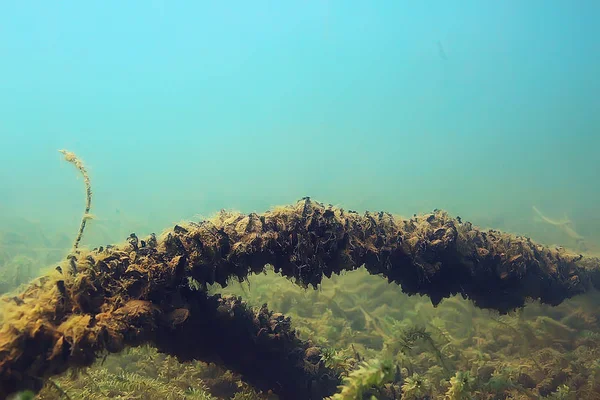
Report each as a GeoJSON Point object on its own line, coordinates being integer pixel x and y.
{"type": "Point", "coordinates": [151, 290]}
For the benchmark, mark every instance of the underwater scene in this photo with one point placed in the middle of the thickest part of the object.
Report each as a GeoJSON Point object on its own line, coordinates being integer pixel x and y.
{"type": "Point", "coordinates": [300, 200]}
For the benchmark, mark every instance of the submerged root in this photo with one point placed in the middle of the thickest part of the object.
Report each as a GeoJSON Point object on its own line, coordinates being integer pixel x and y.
{"type": "Point", "coordinates": [140, 292]}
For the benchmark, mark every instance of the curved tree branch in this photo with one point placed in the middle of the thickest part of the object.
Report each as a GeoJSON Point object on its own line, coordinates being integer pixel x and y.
{"type": "Point", "coordinates": [140, 291]}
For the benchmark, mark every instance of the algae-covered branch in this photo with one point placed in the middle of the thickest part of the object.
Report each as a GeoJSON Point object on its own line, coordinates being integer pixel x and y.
{"type": "Point", "coordinates": [150, 290]}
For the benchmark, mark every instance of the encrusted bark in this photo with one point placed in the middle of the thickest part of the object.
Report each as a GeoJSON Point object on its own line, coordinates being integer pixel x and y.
{"type": "Point", "coordinates": [139, 292]}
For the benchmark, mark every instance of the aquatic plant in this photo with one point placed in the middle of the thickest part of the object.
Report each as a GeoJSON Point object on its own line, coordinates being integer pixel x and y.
{"type": "Point", "coordinates": [405, 339]}
{"type": "Point", "coordinates": [26, 395]}
{"type": "Point", "coordinates": [416, 387]}
{"type": "Point", "coordinates": [76, 161]}
{"type": "Point", "coordinates": [336, 361]}
{"type": "Point", "coordinates": [562, 393]}
{"type": "Point", "coordinates": [246, 395]}
{"type": "Point", "coordinates": [370, 375]}
{"type": "Point", "coordinates": [503, 378]}
{"type": "Point", "coordinates": [461, 386]}
{"type": "Point", "coordinates": [101, 384]}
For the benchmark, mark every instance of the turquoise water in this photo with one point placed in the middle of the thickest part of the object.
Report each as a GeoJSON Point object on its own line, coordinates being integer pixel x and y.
{"type": "Point", "coordinates": [182, 108]}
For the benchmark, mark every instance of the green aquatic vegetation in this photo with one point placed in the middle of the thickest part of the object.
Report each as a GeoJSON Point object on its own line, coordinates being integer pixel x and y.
{"type": "Point", "coordinates": [476, 349]}
{"type": "Point", "coordinates": [143, 373]}
{"type": "Point", "coordinates": [562, 393]}
{"type": "Point", "coordinates": [436, 374]}
{"type": "Point", "coordinates": [453, 345]}
{"type": "Point", "coordinates": [459, 304]}
{"type": "Point", "coordinates": [555, 328]}
{"type": "Point", "coordinates": [406, 339]}
{"type": "Point", "coordinates": [522, 335]}
{"type": "Point", "coordinates": [416, 387]}
{"type": "Point", "coordinates": [370, 375]}
{"type": "Point", "coordinates": [199, 394]}
{"type": "Point", "coordinates": [101, 384]}
{"type": "Point", "coordinates": [246, 394]}
{"type": "Point", "coordinates": [592, 386]}
{"type": "Point", "coordinates": [580, 320]}
{"type": "Point", "coordinates": [503, 378]}
{"type": "Point", "coordinates": [26, 395]}
{"type": "Point", "coordinates": [337, 361]}
{"type": "Point", "coordinates": [476, 356]}
{"type": "Point", "coordinates": [461, 386]}
{"type": "Point", "coordinates": [459, 316]}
